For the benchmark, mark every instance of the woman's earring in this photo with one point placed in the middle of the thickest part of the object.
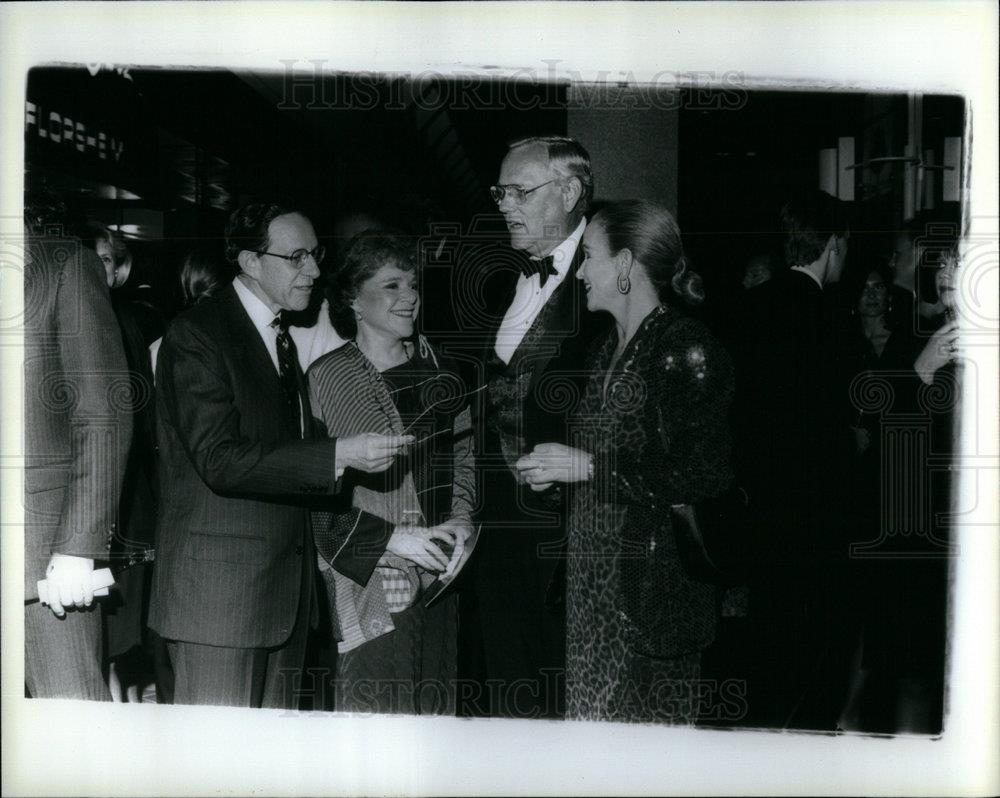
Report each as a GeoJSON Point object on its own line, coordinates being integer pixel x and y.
{"type": "Point", "coordinates": [624, 284]}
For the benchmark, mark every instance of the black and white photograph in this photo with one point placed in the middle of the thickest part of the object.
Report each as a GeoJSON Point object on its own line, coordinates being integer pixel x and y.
{"type": "Point", "coordinates": [500, 398]}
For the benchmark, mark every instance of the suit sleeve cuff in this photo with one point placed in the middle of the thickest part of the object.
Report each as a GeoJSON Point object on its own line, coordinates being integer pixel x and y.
{"type": "Point", "coordinates": [361, 551]}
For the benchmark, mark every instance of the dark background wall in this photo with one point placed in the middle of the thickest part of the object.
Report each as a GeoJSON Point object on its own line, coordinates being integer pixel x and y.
{"type": "Point", "coordinates": [420, 155]}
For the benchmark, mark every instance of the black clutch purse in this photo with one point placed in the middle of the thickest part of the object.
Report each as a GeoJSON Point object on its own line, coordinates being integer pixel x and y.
{"type": "Point", "coordinates": [711, 537]}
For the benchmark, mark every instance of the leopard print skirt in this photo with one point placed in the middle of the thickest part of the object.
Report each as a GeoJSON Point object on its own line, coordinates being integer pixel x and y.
{"type": "Point", "coordinates": [606, 677]}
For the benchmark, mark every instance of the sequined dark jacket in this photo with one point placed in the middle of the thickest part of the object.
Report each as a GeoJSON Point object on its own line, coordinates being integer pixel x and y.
{"type": "Point", "coordinates": [660, 437]}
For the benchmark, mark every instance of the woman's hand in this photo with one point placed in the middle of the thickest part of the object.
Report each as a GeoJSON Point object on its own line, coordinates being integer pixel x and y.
{"type": "Point", "coordinates": [549, 463]}
{"type": "Point", "coordinates": [369, 451]}
{"type": "Point", "coordinates": [940, 350]}
{"type": "Point", "coordinates": [416, 544]}
{"type": "Point", "coordinates": [461, 530]}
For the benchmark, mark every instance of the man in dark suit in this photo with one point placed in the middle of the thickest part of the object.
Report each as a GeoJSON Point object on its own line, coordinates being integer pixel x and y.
{"type": "Point", "coordinates": [788, 429]}
{"type": "Point", "coordinates": [233, 582]}
{"type": "Point", "coordinates": [77, 434]}
{"type": "Point", "coordinates": [535, 362]}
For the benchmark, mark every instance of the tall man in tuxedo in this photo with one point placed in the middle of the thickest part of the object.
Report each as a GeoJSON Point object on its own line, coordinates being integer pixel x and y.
{"type": "Point", "coordinates": [535, 362]}
{"type": "Point", "coordinates": [77, 428]}
{"type": "Point", "coordinates": [233, 584]}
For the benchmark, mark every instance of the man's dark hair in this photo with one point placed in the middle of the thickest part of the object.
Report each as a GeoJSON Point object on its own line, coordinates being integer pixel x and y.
{"type": "Point", "coordinates": [247, 227]}
{"type": "Point", "coordinates": [808, 221]}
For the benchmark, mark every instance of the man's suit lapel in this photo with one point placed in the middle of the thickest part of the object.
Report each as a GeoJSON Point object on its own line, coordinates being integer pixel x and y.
{"type": "Point", "coordinates": [254, 362]}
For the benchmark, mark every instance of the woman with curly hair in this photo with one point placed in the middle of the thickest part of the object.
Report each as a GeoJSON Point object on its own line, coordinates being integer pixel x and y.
{"type": "Point", "coordinates": [394, 534]}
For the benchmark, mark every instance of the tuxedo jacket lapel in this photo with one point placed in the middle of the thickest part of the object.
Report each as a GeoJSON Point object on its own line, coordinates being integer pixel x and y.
{"type": "Point", "coordinates": [560, 316]}
{"type": "Point", "coordinates": [563, 320]}
{"type": "Point", "coordinates": [497, 311]}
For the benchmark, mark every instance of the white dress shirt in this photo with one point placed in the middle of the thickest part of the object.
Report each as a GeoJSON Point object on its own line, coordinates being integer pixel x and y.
{"type": "Point", "coordinates": [261, 316]}
{"type": "Point", "coordinates": [530, 297]}
{"type": "Point", "coordinates": [263, 319]}
{"type": "Point", "coordinates": [313, 342]}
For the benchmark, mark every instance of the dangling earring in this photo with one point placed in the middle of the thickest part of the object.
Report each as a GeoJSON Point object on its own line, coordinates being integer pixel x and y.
{"type": "Point", "coordinates": [624, 284]}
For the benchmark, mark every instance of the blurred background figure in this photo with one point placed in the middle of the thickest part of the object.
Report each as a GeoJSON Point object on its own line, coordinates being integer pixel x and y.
{"type": "Point", "coordinates": [203, 272]}
{"type": "Point", "coordinates": [140, 322]}
{"type": "Point", "coordinates": [311, 328]}
{"type": "Point", "coordinates": [759, 269]}
{"type": "Point", "coordinates": [129, 282]}
{"type": "Point", "coordinates": [874, 345]}
{"type": "Point", "coordinates": [789, 445]}
{"type": "Point", "coordinates": [913, 260]}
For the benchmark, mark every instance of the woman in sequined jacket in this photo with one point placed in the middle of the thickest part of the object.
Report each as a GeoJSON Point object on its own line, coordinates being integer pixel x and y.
{"type": "Point", "coordinates": [652, 433]}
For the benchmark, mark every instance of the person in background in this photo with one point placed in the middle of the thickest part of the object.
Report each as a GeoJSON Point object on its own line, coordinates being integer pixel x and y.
{"type": "Point", "coordinates": [130, 281]}
{"type": "Point", "coordinates": [393, 533]}
{"type": "Point", "coordinates": [876, 349]}
{"type": "Point", "coordinates": [789, 425]}
{"type": "Point", "coordinates": [77, 437]}
{"type": "Point", "coordinates": [311, 328]}
{"type": "Point", "coordinates": [916, 611]}
{"type": "Point", "coordinates": [915, 302]}
{"type": "Point", "coordinates": [901, 566]}
{"type": "Point", "coordinates": [132, 545]}
{"type": "Point", "coordinates": [202, 274]}
{"type": "Point", "coordinates": [652, 433]}
{"type": "Point", "coordinates": [758, 270]}
{"type": "Point", "coordinates": [876, 340]}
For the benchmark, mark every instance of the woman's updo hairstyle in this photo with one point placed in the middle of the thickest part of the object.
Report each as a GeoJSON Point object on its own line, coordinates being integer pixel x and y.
{"type": "Point", "coordinates": [365, 254]}
{"type": "Point", "coordinates": [650, 233]}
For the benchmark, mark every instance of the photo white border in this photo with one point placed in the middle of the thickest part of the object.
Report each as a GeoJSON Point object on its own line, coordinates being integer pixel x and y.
{"type": "Point", "coordinates": [56, 747]}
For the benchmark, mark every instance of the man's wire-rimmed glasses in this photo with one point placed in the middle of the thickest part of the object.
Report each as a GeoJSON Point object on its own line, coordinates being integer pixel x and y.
{"type": "Point", "coordinates": [298, 258]}
{"type": "Point", "coordinates": [518, 194]}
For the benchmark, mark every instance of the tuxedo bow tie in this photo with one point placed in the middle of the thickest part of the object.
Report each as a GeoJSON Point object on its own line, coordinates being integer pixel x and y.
{"type": "Point", "coordinates": [542, 267]}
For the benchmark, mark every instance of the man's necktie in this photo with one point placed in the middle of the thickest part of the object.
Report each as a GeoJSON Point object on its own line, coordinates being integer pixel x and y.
{"type": "Point", "coordinates": [287, 366]}
{"type": "Point", "coordinates": [542, 267]}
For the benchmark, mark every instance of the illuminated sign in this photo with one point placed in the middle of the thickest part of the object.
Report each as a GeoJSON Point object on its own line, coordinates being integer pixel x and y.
{"type": "Point", "coordinates": [59, 128]}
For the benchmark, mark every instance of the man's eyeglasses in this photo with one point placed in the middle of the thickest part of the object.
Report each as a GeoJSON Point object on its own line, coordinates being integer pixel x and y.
{"type": "Point", "coordinates": [518, 194]}
{"type": "Point", "coordinates": [298, 258]}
